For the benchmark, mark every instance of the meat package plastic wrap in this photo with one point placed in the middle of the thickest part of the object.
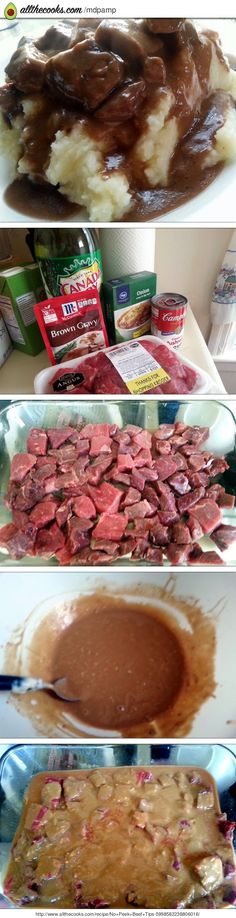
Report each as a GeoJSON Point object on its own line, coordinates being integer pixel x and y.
{"type": "Point", "coordinates": [139, 367]}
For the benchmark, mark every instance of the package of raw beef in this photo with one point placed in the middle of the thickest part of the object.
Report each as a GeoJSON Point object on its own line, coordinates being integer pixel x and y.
{"type": "Point", "coordinates": [146, 366]}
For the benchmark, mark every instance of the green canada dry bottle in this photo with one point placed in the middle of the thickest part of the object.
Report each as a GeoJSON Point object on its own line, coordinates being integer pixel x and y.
{"type": "Point", "coordinates": [69, 260]}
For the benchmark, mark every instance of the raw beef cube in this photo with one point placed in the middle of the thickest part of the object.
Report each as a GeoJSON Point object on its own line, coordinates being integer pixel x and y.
{"type": "Point", "coordinates": [208, 515]}
{"type": "Point", "coordinates": [51, 485]}
{"type": "Point", "coordinates": [195, 529]}
{"type": "Point", "coordinates": [224, 536]}
{"type": "Point", "coordinates": [84, 507]}
{"type": "Point", "coordinates": [28, 495]}
{"type": "Point", "coordinates": [198, 435]}
{"type": "Point", "coordinates": [143, 439]}
{"type": "Point", "coordinates": [111, 548]}
{"type": "Point", "coordinates": [81, 464]}
{"type": "Point", "coordinates": [140, 548]}
{"type": "Point", "coordinates": [154, 556]}
{"type": "Point", "coordinates": [101, 430]}
{"type": "Point", "coordinates": [63, 512]}
{"type": "Point", "coordinates": [139, 510]}
{"type": "Point", "coordinates": [85, 556]}
{"type": "Point", "coordinates": [214, 491]}
{"type": "Point", "coordinates": [144, 458]}
{"type": "Point", "coordinates": [138, 479]}
{"type": "Point", "coordinates": [95, 472]}
{"type": "Point", "coordinates": [141, 525]}
{"type": "Point", "coordinates": [100, 444]}
{"type": "Point", "coordinates": [132, 430]}
{"type": "Point", "coordinates": [164, 432]}
{"type": "Point", "coordinates": [49, 541]}
{"type": "Point", "coordinates": [177, 554]}
{"type": "Point", "coordinates": [82, 447]}
{"type": "Point", "coordinates": [63, 555]}
{"type": "Point", "coordinates": [165, 467]}
{"type": "Point", "coordinates": [132, 497]}
{"type": "Point", "coordinates": [21, 465]}
{"type": "Point", "coordinates": [196, 461]}
{"type": "Point", "coordinates": [198, 556]}
{"type": "Point", "coordinates": [189, 500]}
{"type": "Point", "coordinates": [44, 471]}
{"type": "Point", "coordinates": [180, 427]}
{"type": "Point", "coordinates": [106, 498]}
{"type": "Point", "coordinates": [217, 467]}
{"type": "Point", "coordinates": [150, 474]}
{"type": "Point", "coordinates": [125, 462]}
{"type": "Point", "coordinates": [120, 477]}
{"type": "Point", "coordinates": [111, 526]}
{"type": "Point", "coordinates": [76, 539]}
{"type": "Point", "coordinates": [180, 483]}
{"type": "Point", "coordinates": [59, 435]}
{"type": "Point", "coordinates": [180, 533]}
{"type": "Point", "coordinates": [37, 442]}
{"type": "Point", "coordinates": [167, 517]}
{"type": "Point", "coordinates": [159, 534]}
{"type": "Point", "coordinates": [226, 501]}
{"type": "Point", "coordinates": [181, 462]}
{"type": "Point", "coordinates": [127, 547]}
{"type": "Point", "coordinates": [20, 518]}
{"type": "Point", "coordinates": [43, 513]}
{"type": "Point", "coordinates": [162, 447]}
{"type": "Point", "coordinates": [151, 496]}
{"type": "Point", "coordinates": [6, 533]}
{"type": "Point", "coordinates": [19, 543]}
{"type": "Point", "coordinates": [67, 482]}
{"type": "Point", "coordinates": [198, 479]}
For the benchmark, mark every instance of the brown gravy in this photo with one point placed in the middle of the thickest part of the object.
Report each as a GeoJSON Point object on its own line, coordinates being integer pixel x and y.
{"type": "Point", "coordinates": [134, 667]}
{"type": "Point", "coordinates": [124, 662]}
{"type": "Point", "coordinates": [43, 202]}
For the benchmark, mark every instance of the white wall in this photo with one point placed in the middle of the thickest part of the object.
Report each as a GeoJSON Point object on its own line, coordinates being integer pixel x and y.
{"type": "Point", "coordinates": [187, 261]}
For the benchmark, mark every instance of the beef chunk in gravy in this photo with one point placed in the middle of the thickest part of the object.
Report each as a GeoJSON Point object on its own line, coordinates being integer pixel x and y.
{"type": "Point", "coordinates": [123, 104]}
{"type": "Point", "coordinates": [85, 73]}
{"type": "Point", "coordinates": [163, 26]}
{"type": "Point", "coordinates": [27, 68]}
{"type": "Point", "coordinates": [55, 39]}
{"type": "Point", "coordinates": [129, 39]}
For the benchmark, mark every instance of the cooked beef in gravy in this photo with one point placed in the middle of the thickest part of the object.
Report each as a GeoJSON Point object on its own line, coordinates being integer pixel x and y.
{"type": "Point", "coordinates": [123, 838]}
{"type": "Point", "coordinates": [106, 111]}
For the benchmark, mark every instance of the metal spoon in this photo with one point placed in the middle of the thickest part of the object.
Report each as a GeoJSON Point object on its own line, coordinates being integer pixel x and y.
{"type": "Point", "coordinates": [20, 685]}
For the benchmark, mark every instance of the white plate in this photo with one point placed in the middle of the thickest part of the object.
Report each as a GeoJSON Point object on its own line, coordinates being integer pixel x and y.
{"type": "Point", "coordinates": [21, 592]}
{"type": "Point", "coordinates": [215, 204]}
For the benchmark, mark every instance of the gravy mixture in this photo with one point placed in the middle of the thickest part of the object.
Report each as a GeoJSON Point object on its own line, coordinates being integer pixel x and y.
{"type": "Point", "coordinates": [136, 670]}
{"type": "Point", "coordinates": [122, 838]}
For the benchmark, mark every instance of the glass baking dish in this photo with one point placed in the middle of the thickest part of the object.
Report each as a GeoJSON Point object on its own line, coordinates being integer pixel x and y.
{"type": "Point", "coordinates": [17, 418]}
{"type": "Point", "coordinates": [21, 762]}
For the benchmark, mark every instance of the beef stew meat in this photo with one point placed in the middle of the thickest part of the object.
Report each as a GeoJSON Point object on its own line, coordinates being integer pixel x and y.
{"type": "Point", "coordinates": [122, 838]}
{"type": "Point", "coordinates": [92, 494]}
{"type": "Point", "coordinates": [127, 118]}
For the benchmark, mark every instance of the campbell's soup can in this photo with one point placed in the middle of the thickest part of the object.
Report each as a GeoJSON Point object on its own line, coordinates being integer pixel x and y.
{"type": "Point", "coordinates": [168, 317]}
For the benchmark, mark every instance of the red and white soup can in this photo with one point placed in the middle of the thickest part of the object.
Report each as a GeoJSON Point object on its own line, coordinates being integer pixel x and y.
{"type": "Point", "coordinates": [168, 317]}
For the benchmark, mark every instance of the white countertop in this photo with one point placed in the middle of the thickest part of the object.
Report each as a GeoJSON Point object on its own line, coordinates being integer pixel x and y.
{"type": "Point", "coordinates": [17, 374]}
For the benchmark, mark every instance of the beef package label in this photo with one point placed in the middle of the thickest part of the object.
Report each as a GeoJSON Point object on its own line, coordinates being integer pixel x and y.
{"type": "Point", "coordinates": [72, 327]}
{"type": "Point", "coordinates": [138, 369]}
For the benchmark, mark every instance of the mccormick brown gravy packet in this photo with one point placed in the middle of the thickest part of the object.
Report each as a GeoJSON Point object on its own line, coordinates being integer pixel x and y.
{"type": "Point", "coordinates": [72, 326]}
